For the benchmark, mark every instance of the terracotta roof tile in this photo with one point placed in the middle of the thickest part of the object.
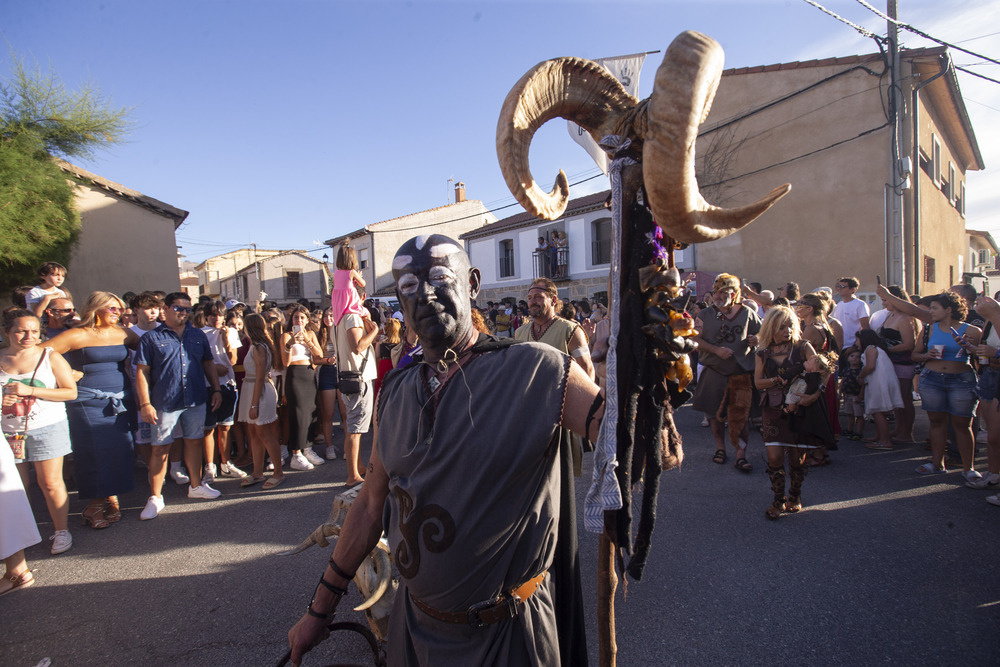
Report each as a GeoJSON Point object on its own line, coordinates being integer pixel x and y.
{"type": "Point", "coordinates": [178, 215]}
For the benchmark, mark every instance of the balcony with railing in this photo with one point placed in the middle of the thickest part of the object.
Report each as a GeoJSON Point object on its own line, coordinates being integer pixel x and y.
{"type": "Point", "coordinates": [550, 263]}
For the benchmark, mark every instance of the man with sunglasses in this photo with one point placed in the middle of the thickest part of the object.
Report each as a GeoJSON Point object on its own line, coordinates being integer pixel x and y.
{"type": "Point", "coordinates": [62, 315]}
{"type": "Point", "coordinates": [174, 361]}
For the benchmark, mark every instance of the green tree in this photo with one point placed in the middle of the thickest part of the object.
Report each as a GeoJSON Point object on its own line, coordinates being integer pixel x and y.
{"type": "Point", "coordinates": [40, 121]}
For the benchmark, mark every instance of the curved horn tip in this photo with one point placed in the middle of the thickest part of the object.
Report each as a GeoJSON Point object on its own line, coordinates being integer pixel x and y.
{"type": "Point", "coordinates": [717, 223]}
{"type": "Point", "coordinates": [383, 569]}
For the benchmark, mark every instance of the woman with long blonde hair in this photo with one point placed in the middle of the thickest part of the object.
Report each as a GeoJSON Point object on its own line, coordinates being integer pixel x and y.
{"type": "Point", "coordinates": [780, 353]}
{"type": "Point", "coordinates": [101, 416]}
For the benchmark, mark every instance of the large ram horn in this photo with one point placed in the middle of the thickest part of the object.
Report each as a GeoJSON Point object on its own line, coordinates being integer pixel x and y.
{"type": "Point", "coordinates": [682, 96]}
{"type": "Point", "coordinates": [318, 536]}
{"type": "Point", "coordinates": [379, 559]}
{"type": "Point", "coordinates": [572, 88]}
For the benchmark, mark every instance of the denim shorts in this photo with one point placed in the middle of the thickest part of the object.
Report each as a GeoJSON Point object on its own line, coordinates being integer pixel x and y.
{"type": "Point", "coordinates": [989, 384]}
{"type": "Point", "coordinates": [327, 377]}
{"type": "Point", "coordinates": [47, 442]}
{"type": "Point", "coordinates": [191, 423]}
{"type": "Point", "coordinates": [226, 414]}
{"type": "Point", "coordinates": [954, 393]}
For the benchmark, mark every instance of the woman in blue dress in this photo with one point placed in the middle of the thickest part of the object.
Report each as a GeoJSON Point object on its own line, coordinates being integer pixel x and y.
{"type": "Point", "coordinates": [100, 419]}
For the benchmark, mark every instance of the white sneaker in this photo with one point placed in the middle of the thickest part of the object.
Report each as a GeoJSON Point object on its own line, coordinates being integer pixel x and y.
{"type": "Point", "coordinates": [270, 466]}
{"type": "Point", "coordinates": [989, 479]}
{"type": "Point", "coordinates": [312, 456]}
{"type": "Point", "coordinates": [61, 542]}
{"type": "Point", "coordinates": [229, 470]}
{"type": "Point", "coordinates": [179, 475]}
{"type": "Point", "coordinates": [208, 474]}
{"type": "Point", "coordinates": [300, 462]}
{"type": "Point", "coordinates": [153, 507]}
{"type": "Point", "coordinates": [331, 453]}
{"type": "Point", "coordinates": [203, 492]}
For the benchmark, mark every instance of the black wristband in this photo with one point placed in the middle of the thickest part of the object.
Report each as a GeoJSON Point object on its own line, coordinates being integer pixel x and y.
{"type": "Point", "coordinates": [336, 570]}
{"type": "Point", "coordinates": [333, 589]}
{"type": "Point", "coordinates": [316, 614]}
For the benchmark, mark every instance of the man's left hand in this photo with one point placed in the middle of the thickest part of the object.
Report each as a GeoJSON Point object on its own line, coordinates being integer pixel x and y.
{"type": "Point", "coordinates": [216, 399]}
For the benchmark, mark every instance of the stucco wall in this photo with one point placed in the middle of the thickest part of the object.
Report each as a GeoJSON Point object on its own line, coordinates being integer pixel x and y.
{"type": "Point", "coordinates": [832, 222]}
{"type": "Point", "coordinates": [122, 247]}
{"type": "Point", "coordinates": [942, 227]}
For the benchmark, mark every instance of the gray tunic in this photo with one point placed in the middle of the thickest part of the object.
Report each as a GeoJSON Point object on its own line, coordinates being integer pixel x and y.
{"type": "Point", "coordinates": [473, 503]}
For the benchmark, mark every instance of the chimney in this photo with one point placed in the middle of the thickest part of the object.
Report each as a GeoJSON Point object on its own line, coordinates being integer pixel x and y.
{"type": "Point", "coordinates": [459, 192]}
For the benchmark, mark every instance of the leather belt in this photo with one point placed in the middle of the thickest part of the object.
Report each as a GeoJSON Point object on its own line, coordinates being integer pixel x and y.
{"type": "Point", "coordinates": [504, 606]}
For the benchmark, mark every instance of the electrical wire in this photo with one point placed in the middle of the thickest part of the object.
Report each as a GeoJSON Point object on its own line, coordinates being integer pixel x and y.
{"type": "Point", "coordinates": [799, 157]}
{"type": "Point", "coordinates": [907, 26]}
{"type": "Point", "coordinates": [864, 31]}
{"type": "Point", "coordinates": [981, 76]}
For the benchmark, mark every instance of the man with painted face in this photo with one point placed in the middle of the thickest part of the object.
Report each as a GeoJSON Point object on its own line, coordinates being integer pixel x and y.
{"type": "Point", "coordinates": [479, 508]}
{"type": "Point", "coordinates": [727, 336]}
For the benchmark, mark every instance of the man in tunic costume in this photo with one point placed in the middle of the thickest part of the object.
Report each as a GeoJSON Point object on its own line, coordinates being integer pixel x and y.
{"type": "Point", "coordinates": [478, 508]}
{"type": "Point", "coordinates": [564, 335]}
{"type": "Point", "coordinates": [727, 337]}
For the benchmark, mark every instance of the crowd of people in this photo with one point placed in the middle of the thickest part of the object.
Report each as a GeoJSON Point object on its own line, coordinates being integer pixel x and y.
{"type": "Point", "coordinates": [796, 364]}
{"type": "Point", "coordinates": [194, 390]}
{"type": "Point", "coordinates": [208, 389]}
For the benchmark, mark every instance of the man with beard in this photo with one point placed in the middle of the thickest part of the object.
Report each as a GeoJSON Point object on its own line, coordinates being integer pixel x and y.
{"type": "Point", "coordinates": [727, 336]}
{"type": "Point", "coordinates": [547, 327]}
{"type": "Point", "coordinates": [479, 508]}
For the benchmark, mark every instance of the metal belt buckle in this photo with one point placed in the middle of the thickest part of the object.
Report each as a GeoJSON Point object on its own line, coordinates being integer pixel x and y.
{"type": "Point", "coordinates": [473, 614]}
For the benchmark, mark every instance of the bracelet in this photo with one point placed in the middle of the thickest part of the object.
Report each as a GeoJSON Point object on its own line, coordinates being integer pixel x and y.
{"type": "Point", "coordinates": [339, 572]}
{"type": "Point", "coordinates": [254, 407]}
{"type": "Point", "coordinates": [339, 592]}
{"type": "Point", "coordinates": [144, 405]}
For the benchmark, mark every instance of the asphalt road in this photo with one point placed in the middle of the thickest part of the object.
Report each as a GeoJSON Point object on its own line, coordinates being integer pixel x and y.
{"type": "Point", "coordinates": [882, 566]}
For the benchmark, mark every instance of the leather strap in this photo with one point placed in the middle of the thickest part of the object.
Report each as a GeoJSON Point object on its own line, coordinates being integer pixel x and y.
{"type": "Point", "coordinates": [507, 605]}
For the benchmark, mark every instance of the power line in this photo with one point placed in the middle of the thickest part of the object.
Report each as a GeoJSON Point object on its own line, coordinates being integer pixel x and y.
{"type": "Point", "coordinates": [864, 31]}
{"type": "Point", "coordinates": [799, 157]}
{"type": "Point", "coordinates": [981, 76]}
{"type": "Point", "coordinates": [906, 26]}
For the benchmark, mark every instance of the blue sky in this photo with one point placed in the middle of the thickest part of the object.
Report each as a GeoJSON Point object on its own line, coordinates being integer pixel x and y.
{"type": "Point", "coordinates": [284, 122]}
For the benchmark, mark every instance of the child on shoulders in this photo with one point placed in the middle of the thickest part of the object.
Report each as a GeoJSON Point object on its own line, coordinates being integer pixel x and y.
{"type": "Point", "coordinates": [51, 276]}
{"type": "Point", "coordinates": [347, 280]}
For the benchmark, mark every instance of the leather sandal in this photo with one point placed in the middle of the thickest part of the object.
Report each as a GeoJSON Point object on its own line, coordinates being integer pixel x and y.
{"type": "Point", "coordinates": [743, 465]}
{"type": "Point", "coordinates": [22, 580]}
{"type": "Point", "coordinates": [93, 516]}
{"type": "Point", "coordinates": [112, 510]}
{"type": "Point", "coordinates": [720, 456]}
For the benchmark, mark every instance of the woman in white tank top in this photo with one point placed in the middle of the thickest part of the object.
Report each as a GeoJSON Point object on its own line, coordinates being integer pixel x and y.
{"type": "Point", "coordinates": [36, 382]}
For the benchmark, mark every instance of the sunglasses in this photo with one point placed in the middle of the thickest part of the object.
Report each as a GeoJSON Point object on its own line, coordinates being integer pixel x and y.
{"type": "Point", "coordinates": [182, 309]}
{"type": "Point", "coordinates": [63, 311]}
{"type": "Point", "coordinates": [839, 286]}
{"type": "Point", "coordinates": [113, 309]}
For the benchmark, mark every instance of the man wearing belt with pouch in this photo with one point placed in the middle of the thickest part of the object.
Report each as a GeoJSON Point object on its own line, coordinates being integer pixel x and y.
{"type": "Point", "coordinates": [479, 509]}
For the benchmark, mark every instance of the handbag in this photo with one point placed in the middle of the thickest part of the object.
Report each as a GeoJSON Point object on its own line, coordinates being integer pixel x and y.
{"type": "Point", "coordinates": [351, 382]}
{"type": "Point", "coordinates": [23, 409]}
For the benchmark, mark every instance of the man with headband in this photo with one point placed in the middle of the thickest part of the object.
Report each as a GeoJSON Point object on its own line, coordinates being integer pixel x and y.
{"type": "Point", "coordinates": [565, 335]}
{"type": "Point", "coordinates": [479, 508]}
{"type": "Point", "coordinates": [727, 337]}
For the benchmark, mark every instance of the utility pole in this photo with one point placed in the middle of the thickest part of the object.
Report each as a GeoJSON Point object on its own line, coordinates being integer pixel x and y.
{"type": "Point", "coordinates": [895, 245]}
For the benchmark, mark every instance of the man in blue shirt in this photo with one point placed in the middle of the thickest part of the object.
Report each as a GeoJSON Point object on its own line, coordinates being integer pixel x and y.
{"type": "Point", "coordinates": [173, 362]}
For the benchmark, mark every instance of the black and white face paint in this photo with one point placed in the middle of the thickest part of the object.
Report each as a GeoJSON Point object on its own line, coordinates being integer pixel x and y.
{"type": "Point", "coordinates": [435, 286]}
